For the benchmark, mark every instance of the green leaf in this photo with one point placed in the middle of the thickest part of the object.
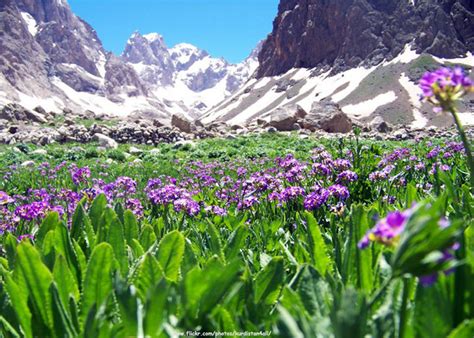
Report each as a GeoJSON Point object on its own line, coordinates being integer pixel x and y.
{"type": "Point", "coordinates": [78, 219]}
{"type": "Point", "coordinates": [287, 324]}
{"type": "Point", "coordinates": [350, 315]}
{"type": "Point", "coordinates": [268, 282]}
{"type": "Point", "coordinates": [97, 210]}
{"type": "Point", "coordinates": [147, 237]}
{"type": "Point", "coordinates": [170, 254]}
{"type": "Point", "coordinates": [433, 310]}
{"type": "Point", "coordinates": [314, 292]}
{"type": "Point", "coordinates": [131, 309]}
{"type": "Point", "coordinates": [464, 330]}
{"type": "Point", "coordinates": [49, 223]}
{"type": "Point", "coordinates": [7, 327]}
{"type": "Point", "coordinates": [117, 241]}
{"type": "Point", "coordinates": [64, 246]}
{"type": "Point", "coordinates": [236, 242]}
{"type": "Point", "coordinates": [156, 309]}
{"type": "Point", "coordinates": [218, 280]}
{"type": "Point", "coordinates": [215, 244]}
{"type": "Point", "coordinates": [38, 280]}
{"type": "Point", "coordinates": [98, 281]}
{"type": "Point", "coordinates": [317, 245]}
{"type": "Point", "coordinates": [63, 324]}
{"type": "Point", "coordinates": [19, 299]}
{"type": "Point", "coordinates": [130, 225]}
{"type": "Point", "coordinates": [148, 274]}
{"type": "Point", "coordinates": [65, 281]}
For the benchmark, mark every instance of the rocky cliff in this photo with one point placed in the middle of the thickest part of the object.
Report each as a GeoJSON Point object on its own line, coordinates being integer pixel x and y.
{"type": "Point", "coordinates": [343, 34]}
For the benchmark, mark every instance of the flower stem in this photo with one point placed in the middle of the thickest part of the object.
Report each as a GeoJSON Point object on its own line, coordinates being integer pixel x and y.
{"type": "Point", "coordinates": [467, 147]}
{"type": "Point", "coordinates": [403, 311]}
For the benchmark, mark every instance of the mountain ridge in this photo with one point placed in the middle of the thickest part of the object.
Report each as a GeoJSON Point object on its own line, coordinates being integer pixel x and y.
{"type": "Point", "coordinates": [50, 57]}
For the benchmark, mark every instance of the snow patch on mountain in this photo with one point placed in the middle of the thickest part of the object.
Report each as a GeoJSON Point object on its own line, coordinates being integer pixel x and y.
{"type": "Point", "coordinates": [361, 92]}
{"type": "Point", "coordinates": [367, 108]}
{"type": "Point", "coordinates": [414, 92]}
{"type": "Point", "coordinates": [185, 77]}
{"type": "Point", "coordinates": [30, 22]}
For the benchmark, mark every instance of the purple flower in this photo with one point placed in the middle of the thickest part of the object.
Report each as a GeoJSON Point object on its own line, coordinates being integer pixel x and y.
{"type": "Point", "coordinates": [188, 205]}
{"type": "Point", "coordinates": [80, 175]}
{"type": "Point", "coordinates": [346, 177]}
{"type": "Point", "coordinates": [5, 198]}
{"type": "Point", "coordinates": [339, 191]}
{"type": "Point", "coordinates": [316, 199]}
{"type": "Point", "coordinates": [216, 210]}
{"type": "Point", "coordinates": [291, 193]}
{"type": "Point", "coordinates": [444, 86]}
{"type": "Point", "coordinates": [388, 230]}
{"type": "Point", "coordinates": [135, 206]}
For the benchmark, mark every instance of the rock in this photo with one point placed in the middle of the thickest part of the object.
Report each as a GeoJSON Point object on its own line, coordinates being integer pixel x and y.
{"type": "Point", "coordinates": [401, 134]}
{"type": "Point", "coordinates": [155, 152]}
{"type": "Point", "coordinates": [28, 164]}
{"type": "Point", "coordinates": [135, 151]}
{"type": "Point", "coordinates": [236, 127]}
{"type": "Point", "coordinates": [185, 143]}
{"type": "Point", "coordinates": [181, 122]}
{"type": "Point", "coordinates": [69, 122]}
{"type": "Point", "coordinates": [328, 117]}
{"type": "Point", "coordinates": [105, 141]}
{"type": "Point", "coordinates": [379, 124]}
{"type": "Point", "coordinates": [15, 112]}
{"type": "Point", "coordinates": [39, 152]}
{"type": "Point", "coordinates": [284, 118]}
{"type": "Point", "coordinates": [271, 130]}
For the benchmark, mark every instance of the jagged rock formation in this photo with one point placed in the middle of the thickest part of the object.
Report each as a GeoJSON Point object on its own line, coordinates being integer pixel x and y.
{"type": "Point", "coordinates": [344, 34]}
{"type": "Point", "coordinates": [185, 74]}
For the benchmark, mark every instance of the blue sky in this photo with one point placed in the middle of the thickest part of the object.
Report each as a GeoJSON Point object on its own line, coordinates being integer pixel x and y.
{"type": "Point", "coordinates": [225, 28]}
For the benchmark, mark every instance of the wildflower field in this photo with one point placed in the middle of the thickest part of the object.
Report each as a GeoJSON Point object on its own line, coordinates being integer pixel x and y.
{"type": "Point", "coordinates": [265, 235]}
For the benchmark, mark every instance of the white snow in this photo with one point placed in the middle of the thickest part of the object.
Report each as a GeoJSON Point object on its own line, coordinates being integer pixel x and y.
{"type": "Point", "coordinates": [316, 88]}
{"type": "Point", "coordinates": [31, 102]}
{"type": "Point", "coordinates": [407, 56]}
{"type": "Point", "coordinates": [467, 60]}
{"type": "Point", "coordinates": [30, 22]}
{"type": "Point", "coordinates": [366, 108]}
{"type": "Point", "coordinates": [102, 104]}
{"type": "Point", "coordinates": [414, 92]}
{"type": "Point", "coordinates": [261, 104]}
{"type": "Point", "coordinates": [152, 37]}
{"type": "Point", "coordinates": [101, 65]}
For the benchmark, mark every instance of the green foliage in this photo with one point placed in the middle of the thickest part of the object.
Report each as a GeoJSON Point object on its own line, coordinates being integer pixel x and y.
{"type": "Point", "coordinates": [109, 273]}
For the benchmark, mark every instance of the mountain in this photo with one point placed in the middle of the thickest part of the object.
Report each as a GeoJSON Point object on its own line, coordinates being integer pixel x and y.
{"type": "Point", "coordinates": [364, 55]}
{"type": "Point", "coordinates": [184, 76]}
{"type": "Point", "coordinates": [50, 57]}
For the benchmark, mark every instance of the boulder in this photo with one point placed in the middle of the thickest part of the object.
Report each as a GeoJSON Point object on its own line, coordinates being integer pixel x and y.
{"type": "Point", "coordinates": [284, 118]}
{"type": "Point", "coordinates": [105, 141]}
{"type": "Point", "coordinates": [379, 124]}
{"type": "Point", "coordinates": [327, 116]}
{"type": "Point", "coordinates": [181, 122]}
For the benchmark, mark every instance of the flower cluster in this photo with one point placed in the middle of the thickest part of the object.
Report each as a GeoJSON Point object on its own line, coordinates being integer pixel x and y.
{"type": "Point", "coordinates": [444, 86]}
{"type": "Point", "coordinates": [388, 230]}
